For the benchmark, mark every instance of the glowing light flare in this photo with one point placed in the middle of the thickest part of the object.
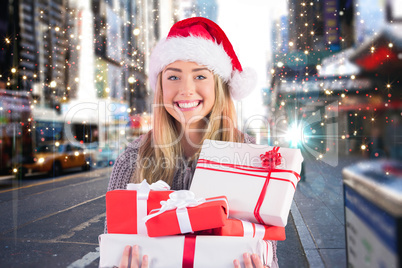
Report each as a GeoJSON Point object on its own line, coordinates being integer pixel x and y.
{"type": "Point", "coordinates": [136, 31]}
{"type": "Point", "coordinates": [295, 135]}
{"type": "Point", "coordinates": [131, 80]}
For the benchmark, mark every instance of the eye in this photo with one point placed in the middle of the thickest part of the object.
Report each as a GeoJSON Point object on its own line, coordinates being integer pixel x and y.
{"type": "Point", "coordinates": [200, 77]}
{"type": "Point", "coordinates": [173, 77]}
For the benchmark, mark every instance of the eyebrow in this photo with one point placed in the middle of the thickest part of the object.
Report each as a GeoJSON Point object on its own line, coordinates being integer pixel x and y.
{"type": "Point", "coordinates": [179, 70]}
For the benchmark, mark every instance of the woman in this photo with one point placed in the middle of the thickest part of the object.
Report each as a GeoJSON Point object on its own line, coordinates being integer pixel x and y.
{"type": "Point", "coordinates": [195, 74]}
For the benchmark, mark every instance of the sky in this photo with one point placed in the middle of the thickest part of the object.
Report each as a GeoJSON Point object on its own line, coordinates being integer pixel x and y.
{"type": "Point", "coordinates": [248, 27]}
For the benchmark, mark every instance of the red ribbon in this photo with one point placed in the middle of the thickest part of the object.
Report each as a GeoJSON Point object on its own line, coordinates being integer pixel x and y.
{"type": "Point", "coordinates": [189, 251]}
{"type": "Point", "coordinates": [270, 169]}
{"type": "Point", "coordinates": [271, 159]}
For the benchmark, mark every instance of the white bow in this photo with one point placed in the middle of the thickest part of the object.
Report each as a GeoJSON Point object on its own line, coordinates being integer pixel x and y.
{"type": "Point", "coordinates": [156, 186]}
{"type": "Point", "coordinates": [179, 201]}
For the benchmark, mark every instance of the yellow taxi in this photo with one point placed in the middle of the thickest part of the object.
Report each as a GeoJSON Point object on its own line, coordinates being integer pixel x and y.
{"type": "Point", "coordinates": [56, 157]}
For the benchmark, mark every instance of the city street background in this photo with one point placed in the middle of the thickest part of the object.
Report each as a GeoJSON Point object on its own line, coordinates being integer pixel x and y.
{"type": "Point", "coordinates": [74, 93]}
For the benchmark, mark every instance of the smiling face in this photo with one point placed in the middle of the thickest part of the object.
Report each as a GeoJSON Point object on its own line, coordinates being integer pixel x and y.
{"type": "Point", "coordinates": [188, 92]}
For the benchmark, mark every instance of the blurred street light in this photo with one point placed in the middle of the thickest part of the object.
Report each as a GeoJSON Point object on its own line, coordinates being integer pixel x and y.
{"type": "Point", "coordinates": [131, 80]}
{"type": "Point", "coordinates": [136, 31]}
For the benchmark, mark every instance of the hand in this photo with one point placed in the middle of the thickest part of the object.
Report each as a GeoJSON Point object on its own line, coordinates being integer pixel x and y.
{"type": "Point", "coordinates": [248, 263]}
{"type": "Point", "coordinates": [135, 258]}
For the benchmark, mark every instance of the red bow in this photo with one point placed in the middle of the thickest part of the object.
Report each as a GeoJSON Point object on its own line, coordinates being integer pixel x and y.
{"type": "Point", "coordinates": [271, 159]}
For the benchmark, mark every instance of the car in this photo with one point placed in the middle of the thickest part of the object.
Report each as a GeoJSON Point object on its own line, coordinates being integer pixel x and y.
{"type": "Point", "coordinates": [56, 157]}
{"type": "Point", "coordinates": [102, 156]}
{"type": "Point", "coordinates": [105, 157]}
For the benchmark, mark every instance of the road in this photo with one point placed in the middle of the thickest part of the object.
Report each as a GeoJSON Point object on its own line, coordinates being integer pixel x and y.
{"type": "Point", "coordinates": [55, 222]}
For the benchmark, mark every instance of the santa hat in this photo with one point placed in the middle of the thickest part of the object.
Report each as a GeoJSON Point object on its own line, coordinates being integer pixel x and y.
{"type": "Point", "coordinates": [202, 41]}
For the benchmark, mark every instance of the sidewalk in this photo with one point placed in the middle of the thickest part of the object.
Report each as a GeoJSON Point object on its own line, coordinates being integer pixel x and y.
{"type": "Point", "coordinates": [318, 213]}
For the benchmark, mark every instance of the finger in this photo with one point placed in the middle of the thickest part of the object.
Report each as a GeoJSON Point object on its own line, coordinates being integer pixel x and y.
{"type": "Point", "coordinates": [135, 257]}
{"type": "Point", "coordinates": [257, 261]}
{"type": "Point", "coordinates": [144, 261]}
{"type": "Point", "coordinates": [236, 264]}
{"type": "Point", "coordinates": [125, 257]}
{"type": "Point", "coordinates": [247, 261]}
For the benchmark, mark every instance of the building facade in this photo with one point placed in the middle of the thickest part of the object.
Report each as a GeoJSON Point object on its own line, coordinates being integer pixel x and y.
{"type": "Point", "coordinates": [338, 85]}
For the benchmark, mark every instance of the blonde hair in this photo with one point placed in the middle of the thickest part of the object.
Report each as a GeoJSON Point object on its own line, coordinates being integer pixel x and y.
{"type": "Point", "coordinates": [161, 149]}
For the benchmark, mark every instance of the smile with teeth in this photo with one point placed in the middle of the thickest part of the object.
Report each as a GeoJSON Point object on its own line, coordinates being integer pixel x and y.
{"type": "Point", "coordinates": [188, 105]}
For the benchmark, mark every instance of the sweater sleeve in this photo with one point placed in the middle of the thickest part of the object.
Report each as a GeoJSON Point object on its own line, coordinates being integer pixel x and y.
{"type": "Point", "coordinates": [123, 169]}
{"type": "Point", "coordinates": [124, 166]}
{"type": "Point", "coordinates": [249, 139]}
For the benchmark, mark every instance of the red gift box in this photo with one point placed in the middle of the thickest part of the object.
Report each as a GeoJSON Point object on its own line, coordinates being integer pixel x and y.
{"type": "Point", "coordinates": [210, 213]}
{"type": "Point", "coordinates": [122, 213]}
{"type": "Point", "coordinates": [235, 227]}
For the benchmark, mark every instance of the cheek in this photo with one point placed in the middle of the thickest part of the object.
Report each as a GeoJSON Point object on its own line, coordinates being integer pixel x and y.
{"type": "Point", "coordinates": [209, 92]}
{"type": "Point", "coordinates": [168, 101]}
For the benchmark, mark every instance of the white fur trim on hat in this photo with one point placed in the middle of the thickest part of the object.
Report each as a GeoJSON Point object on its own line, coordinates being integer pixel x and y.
{"type": "Point", "coordinates": [242, 83]}
{"type": "Point", "coordinates": [196, 49]}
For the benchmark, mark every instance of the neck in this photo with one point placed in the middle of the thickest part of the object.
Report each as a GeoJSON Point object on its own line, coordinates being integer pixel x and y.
{"type": "Point", "coordinates": [191, 139]}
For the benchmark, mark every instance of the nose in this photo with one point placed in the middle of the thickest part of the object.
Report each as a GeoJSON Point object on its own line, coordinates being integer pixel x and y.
{"type": "Point", "coordinates": [188, 86]}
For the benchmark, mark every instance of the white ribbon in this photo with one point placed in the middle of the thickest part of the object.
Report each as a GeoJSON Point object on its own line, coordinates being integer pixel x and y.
{"type": "Point", "coordinates": [248, 229]}
{"type": "Point", "coordinates": [143, 189]}
{"type": "Point", "coordinates": [253, 230]}
{"type": "Point", "coordinates": [259, 231]}
{"type": "Point", "coordinates": [179, 201]}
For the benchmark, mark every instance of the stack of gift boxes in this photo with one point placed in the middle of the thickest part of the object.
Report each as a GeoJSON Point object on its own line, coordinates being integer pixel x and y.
{"type": "Point", "coordinates": [239, 201]}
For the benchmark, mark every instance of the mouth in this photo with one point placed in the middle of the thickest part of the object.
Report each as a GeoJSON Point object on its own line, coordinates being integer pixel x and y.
{"type": "Point", "coordinates": [187, 105]}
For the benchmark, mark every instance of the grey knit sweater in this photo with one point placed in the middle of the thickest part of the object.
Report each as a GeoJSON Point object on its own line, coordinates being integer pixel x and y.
{"type": "Point", "coordinates": [125, 164]}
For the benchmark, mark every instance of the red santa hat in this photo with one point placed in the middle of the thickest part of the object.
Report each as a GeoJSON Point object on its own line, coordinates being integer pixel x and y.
{"type": "Point", "coordinates": [202, 41]}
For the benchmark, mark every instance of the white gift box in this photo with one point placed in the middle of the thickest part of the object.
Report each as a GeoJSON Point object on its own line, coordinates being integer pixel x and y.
{"type": "Point", "coordinates": [196, 251]}
{"type": "Point", "coordinates": [235, 171]}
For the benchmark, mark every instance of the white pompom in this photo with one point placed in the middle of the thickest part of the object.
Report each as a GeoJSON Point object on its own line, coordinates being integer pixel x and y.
{"type": "Point", "coordinates": [242, 84]}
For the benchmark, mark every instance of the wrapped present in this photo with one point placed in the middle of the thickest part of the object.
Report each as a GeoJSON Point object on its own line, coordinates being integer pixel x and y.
{"type": "Point", "coordinates": [126, 209]}
{"type": "Point", "coordinates": [234, 227]}
{"type": "Point", "coordinates": [184, 250]}
{"type": "Point", "coordinates": [183, 213]}
{"type": "Point", "coordinates": [259, 181]}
